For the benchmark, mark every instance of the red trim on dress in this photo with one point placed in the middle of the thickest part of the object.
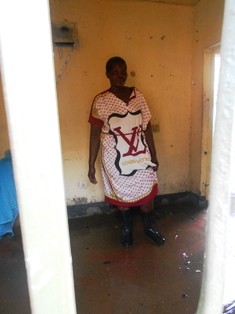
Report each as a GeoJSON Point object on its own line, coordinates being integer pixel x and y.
{"type": "Point", "coordinates": [95, 121]}
{"type": "Point", "coordinates": [140, 202]}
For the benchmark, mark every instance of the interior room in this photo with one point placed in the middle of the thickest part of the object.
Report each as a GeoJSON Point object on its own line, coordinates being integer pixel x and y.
{"type": "Point", "coordinates": [172, 49]}
{"type": "Point", "coordinates": [173, 37]}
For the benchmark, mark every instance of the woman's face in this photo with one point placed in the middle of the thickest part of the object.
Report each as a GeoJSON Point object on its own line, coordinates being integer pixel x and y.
{"type": "Point", "coordinates": [117, 75]}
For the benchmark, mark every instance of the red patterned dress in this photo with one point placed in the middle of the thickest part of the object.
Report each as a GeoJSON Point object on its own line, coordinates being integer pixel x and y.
{"type": "Point", "coordinates": [126, 166]}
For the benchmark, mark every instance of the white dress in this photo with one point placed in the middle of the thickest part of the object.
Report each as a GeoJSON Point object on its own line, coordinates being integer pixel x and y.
{"type": "Point", "coordinates": [127, 172]}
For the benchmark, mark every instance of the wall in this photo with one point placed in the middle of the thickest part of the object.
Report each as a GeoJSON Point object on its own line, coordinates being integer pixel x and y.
{"type": "Point", "coordinates": [156, 41]}
{"type": "Point", "coordinates": [207, 26]}
{"type": "Point", "coordinates": [4, 138]}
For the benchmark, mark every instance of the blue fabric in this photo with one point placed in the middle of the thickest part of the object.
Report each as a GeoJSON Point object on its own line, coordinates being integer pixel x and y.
{"type": "Point", "coordinates": [8, 199]}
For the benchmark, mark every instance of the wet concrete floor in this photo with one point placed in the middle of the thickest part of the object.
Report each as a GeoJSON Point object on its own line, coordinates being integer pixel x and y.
{"type": "Point", "coordinates": [110, 279]}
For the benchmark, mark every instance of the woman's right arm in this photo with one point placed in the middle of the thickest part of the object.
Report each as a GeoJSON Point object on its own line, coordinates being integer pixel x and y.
{"type": "Point", "coordinates": [94, 149]}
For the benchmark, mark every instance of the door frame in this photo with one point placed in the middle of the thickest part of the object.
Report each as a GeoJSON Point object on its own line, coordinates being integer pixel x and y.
{"type": "Point", "coordinates": [207, 117]}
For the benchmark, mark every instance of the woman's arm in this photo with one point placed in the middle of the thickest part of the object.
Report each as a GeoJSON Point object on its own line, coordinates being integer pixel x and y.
{"type": "Point", "coordinates": [94, 149]}
{"type": "Point", "coordinates": [149, 139]}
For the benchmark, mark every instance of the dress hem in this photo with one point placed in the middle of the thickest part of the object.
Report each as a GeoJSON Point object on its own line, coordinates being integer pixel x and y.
{"type": "Point", "coordinates": [140, 202]}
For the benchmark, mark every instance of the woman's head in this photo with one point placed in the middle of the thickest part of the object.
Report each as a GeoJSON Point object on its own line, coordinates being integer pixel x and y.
{"type": "Point", "coordinates": [116, 71]}
{"type": "Point", "coordinates": [114, 61]}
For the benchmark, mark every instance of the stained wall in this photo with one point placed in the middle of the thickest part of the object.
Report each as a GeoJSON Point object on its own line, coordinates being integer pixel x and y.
{"type": "Point", "coordinates": [162, 45]}
{"type": "Point", "coordinates": [207, 29]}
{"type": "Point", "coordinates": [4, 138]}
{"type": "Point", "coordinates": [155, 40]}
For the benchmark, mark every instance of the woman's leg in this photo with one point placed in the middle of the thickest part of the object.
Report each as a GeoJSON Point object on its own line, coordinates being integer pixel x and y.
{"type": "Point", "coordinates": [127, 226]}
{"type": "Point", "coordinates": [149, 228]}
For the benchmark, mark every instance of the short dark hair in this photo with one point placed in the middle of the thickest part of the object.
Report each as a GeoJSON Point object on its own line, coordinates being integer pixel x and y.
{"type": "Point", "coordinates": [112, 61]}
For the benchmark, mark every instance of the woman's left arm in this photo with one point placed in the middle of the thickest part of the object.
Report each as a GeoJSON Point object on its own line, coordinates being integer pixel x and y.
{"type": "Point", "coordinates": [150, 141]}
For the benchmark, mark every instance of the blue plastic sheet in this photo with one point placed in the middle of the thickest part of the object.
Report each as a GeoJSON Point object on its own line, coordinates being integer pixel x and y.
{"type": "Point", "coordinates": [8, 199]}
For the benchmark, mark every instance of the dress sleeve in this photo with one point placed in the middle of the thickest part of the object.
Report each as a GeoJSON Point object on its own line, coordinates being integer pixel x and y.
{"type": "Point", "coordinates": [94, 117]}
{"type": "Point", "coordinates": [146, 114]}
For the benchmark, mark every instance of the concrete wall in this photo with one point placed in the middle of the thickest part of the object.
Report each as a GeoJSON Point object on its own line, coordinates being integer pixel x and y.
{"type": "Point", "coordinates": [156, 41]}
{"type": "Point", "coordinates": [207, 27]}
{"type": "Point", "coordinates": [160, 43]}
{"type": "Point", "coordinates": [4, 138]}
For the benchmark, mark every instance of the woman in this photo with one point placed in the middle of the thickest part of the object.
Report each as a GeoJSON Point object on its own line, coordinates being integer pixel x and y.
{"type": "Point", "coordinates": [120, 122]}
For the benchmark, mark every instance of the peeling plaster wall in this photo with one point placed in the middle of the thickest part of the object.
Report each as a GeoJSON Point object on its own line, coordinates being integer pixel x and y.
{"type": "Point", "coordinates": [156, 41]}
{"type": "Point", "coordinates": [4, 139]}
{"type": "Point", "coordinates": [207, 27]}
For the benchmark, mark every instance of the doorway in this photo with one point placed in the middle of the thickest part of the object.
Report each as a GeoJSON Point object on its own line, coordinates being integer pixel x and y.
{"type": "Point", "coordinates": [210, 86]}
{"type": "Point", "coordinates": [210, 90]}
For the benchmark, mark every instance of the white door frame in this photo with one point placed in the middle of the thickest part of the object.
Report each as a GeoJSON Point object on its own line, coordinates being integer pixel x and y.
{"type": "Point", "coordinates": [207, 117]}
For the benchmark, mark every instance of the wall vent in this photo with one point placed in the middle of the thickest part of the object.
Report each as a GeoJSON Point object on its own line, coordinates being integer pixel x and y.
{"type": "Point", "coordinates": [64, 34]}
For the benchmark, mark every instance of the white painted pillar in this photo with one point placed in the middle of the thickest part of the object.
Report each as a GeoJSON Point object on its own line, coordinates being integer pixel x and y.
{"type": "Point", "coordinates": [30, 96]}
{"type": "Point", "coordinates": [211, 300]}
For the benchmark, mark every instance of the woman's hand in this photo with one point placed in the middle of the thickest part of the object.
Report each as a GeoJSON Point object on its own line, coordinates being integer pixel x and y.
{"type": "Point", "coordinates": [150, 141]}
{"type": "Point", "coordinates": [155, 161]}
{"type": "Point", "coordinates": [91, 175]}
{"type": "Point", "coordinates": [94, 148]}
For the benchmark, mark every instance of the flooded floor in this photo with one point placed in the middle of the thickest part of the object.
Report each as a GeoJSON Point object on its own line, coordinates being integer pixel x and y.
{"type": "Point", "coordinates": [110, 279]}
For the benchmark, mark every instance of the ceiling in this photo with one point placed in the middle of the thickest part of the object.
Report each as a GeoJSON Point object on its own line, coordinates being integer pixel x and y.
{"type": "Point", "coordinates": [179, 2]}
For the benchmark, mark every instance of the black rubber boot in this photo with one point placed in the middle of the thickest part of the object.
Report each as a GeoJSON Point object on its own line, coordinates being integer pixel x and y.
{"type": "Point", "coordinates": [150, 229]}
{"type": "Point", "coordinates": [127, 226]}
